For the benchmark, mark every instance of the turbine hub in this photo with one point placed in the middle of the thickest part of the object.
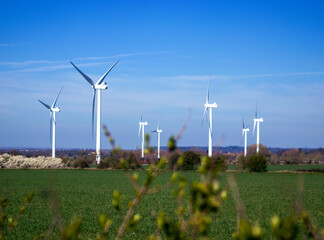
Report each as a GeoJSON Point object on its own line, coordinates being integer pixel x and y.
{"type": "Point", "coordinates": [211, 105]}
{"type": "Point", "coordinates": [57, 109]}
{"type": "Point", "coordinates": [102, 86]}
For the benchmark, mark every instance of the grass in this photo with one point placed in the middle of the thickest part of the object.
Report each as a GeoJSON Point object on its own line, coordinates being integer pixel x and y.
{"type": "Point", "coordinates": [290, 167]}
{"type": "Point", "coordinates": [87, 193]}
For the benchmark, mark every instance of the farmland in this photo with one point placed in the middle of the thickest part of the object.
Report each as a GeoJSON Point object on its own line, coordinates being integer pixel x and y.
{"type": "Point", "coordinates": [88, 193]}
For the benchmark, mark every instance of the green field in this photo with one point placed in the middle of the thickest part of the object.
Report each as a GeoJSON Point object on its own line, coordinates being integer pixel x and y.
{"type": "Point", "coordinates": [291, 167]}
{"type": "Point", "coordinates": [87, 193]}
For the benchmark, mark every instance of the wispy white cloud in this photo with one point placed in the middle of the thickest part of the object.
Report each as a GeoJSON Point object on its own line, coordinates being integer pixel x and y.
{"type": "Point", "coordinates": [233, 77]}
{"type": "Point", "coordinates": [57, 67]}
{"type": "Point", "coordinates": [7, 44]}
{"type": "Point", "coordinates": [121, 55]}
{"type": "Point", "coordinates": [31, 62]}
{"type": "Point", "coordinates": [35, 62]}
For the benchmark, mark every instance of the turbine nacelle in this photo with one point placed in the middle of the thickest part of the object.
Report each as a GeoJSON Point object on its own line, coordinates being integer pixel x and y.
{"type": "Point", "coordinates": [143, 123]}
{"type": "Point", "coordinates": [210, 105]}
{"type": "Point", "coordinates": [244, 130]}
{"type": "Point", "coordinates": [102, 86]}
{"type": "Point", "coordinates": [258, 119]}
{"type": "Point", "coordinates": [158, 130]}
{"type": "Point", "coordinates": [56, 109]}
{"type": "Point", "coordinates": [255, 121]}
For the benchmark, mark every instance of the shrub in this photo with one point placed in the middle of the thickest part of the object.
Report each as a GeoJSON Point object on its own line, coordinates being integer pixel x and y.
{"type": "Point", "coordinates": [242, 161]}
{"type": "Point", "coordinates": [81, 163]}
{"type": "Point", "coordinates": [188, 160]}
{"type": "Point", "coordinates": [109, 162]}
{"type": "Point", "coordinates": [67, 161]}
{"type": "Point", "coordinates": [8, 161]}
{"type": "Point", "coordinates": [130, 161]}
{"type": "Point", "coordinates": [257, 163]}
{"type": "Point", "coordinates": [173, 159]}
{"type": "Point", "coordinates": [220, 161]}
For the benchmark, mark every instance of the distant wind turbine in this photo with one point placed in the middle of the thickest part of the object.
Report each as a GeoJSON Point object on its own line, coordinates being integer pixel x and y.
{"type": "Point", "coordinates": [244, 132]}
{"type": "Point", "coordinates": [52, 111]}
{"type": "Point", "coordinates": [209, 107]}
{"type": "Point", "coordinates": [257, 121]}
{"type": "Point", "coordinates": [100, 85]}
{"type": "Point", "coordinates": [158, 131]}
{"type": "Point", "coordinates": [141, 126]}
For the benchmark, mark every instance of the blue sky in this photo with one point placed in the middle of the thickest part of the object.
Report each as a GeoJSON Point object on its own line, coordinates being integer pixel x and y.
{"type": "Point", "coordinates": [270, 51]}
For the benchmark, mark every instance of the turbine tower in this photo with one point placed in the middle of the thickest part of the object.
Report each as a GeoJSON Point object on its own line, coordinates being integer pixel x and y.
{"type": "Point", "coordinates": [141, 126]}
{"type": "Point", "coordinates": [257, 122]}
{"type": "Point", "coordinates": [52, 111]}
{"type": "Point", "coordinates": [244, 132]}
{"type": "Point", "coordinates": [209, 107]}
{"type": "Point", "coordinates": [100, 85]}
{"type": "Point", "coordinates": [158, 131]}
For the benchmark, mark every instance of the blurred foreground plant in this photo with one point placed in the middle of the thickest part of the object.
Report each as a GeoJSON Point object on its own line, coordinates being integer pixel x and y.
{"type": "Point", "coordinates": [8, 223]}
{"type": "Point", "coordinates": [197, 204]}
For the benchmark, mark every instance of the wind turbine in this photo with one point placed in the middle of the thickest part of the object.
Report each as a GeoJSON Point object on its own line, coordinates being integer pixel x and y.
{"type": "Point", "coordinates": [209, 107]}
{"type": "Point", "coordinates": [141, 126]}
{"type": "Point", "coordinates": [257, 122]}
{"type": "Point", "coordinates": [158, 131]}
{"type": "Point", "coordinates": [100, 85]}
{"type": "Point", "coordinates": [244, 132]}
{"type": "Point", "coordinates": [52, 111]}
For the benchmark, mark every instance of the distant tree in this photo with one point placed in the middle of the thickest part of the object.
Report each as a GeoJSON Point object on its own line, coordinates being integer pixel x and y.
{"type": "Point", "coordinates": [14, 152]}
{"type": "Point", "coordinates": [291, 156]}
{"type": "Point", "coordinates": [274, 159]}
{"type": "Point", "coordinates": [262, 149]}
{"type": "Point", "coordinates": [319, 157]}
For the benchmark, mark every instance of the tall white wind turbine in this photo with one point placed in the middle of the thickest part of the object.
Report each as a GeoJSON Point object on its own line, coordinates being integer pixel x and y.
{"type": "Point", "coordinates": [257, 122]}
{"type": "Point", "coordinates": [53, 109]}
{"type": "Point", "coordinates": [100, 85]}
{"type": "Point", "coordinates": [244, 132]}
{"type": "Point", "coordinates": [209, 107]}
{"type": "Point", "coordinates": [141, 126]}
{"type": "Point", "coordinates": [158, 131]}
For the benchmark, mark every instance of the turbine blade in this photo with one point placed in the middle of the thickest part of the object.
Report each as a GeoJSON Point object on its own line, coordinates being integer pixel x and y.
{"type": "Point", "coordinates": [256, 109]}
{"type": "Point", "coordinates": [254, 126]}
{"type": "Point", "coordinates": [93, 107]}
{"type": "Point", "coordinates": [207, 97]}
{"type": "Point", "coordinates": [54, 103]}
{"type": "Point", "coordinates": [242, 139]}
{"type": "Point", "coordinates": [153, 131]}
{"type": "Point", "coordinates": [89, 80]}
{"type": "Point", "coordinates": [103, 77]}
{"type": "Point", "coordinates": [204, 115]}
{"type": "Point", "coordinates": [51, 126]}
{"type": "Point", "coordinates": [139, 129]}
{"type": "Point", "coordinates": [48, 107]}
{"type": "Point", "coordinates": [243, 121]}
{"type": "Point", "coordinates": [142, 114]}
